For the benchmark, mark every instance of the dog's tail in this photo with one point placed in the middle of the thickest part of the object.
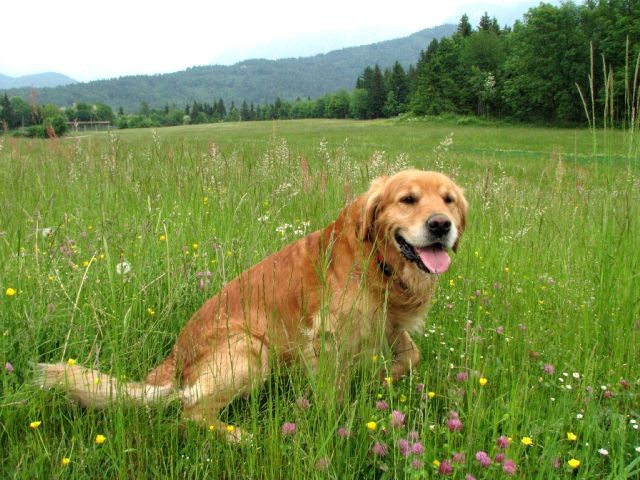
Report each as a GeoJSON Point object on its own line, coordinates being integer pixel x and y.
{"type": "Point", "coordinates": [94, 389]}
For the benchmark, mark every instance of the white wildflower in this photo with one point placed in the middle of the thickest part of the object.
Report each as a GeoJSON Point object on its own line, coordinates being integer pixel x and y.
{"type": "Point", "coordinates": [123, 268]}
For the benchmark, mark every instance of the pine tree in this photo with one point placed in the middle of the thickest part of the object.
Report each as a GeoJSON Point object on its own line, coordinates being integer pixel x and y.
{"type": "Point", "coordinates": [464, 27]}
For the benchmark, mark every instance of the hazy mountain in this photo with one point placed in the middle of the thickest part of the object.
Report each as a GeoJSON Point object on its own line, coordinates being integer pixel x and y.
{"type": "Point", "coordinates": [258, 81]}
{"type": "Point", "coordinates": [38, 80]}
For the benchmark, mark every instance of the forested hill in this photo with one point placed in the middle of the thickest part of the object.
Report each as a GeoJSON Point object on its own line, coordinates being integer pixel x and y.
{"type": "Point", "coordinates": [257, 81]}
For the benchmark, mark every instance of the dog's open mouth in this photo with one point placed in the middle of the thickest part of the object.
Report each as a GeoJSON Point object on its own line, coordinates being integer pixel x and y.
{"type": "Point", "coordinates": [431, 258]}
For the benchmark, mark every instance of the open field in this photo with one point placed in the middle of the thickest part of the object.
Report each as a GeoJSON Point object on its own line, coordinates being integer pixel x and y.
{"type": "Point", "coordinates": [542, 300]}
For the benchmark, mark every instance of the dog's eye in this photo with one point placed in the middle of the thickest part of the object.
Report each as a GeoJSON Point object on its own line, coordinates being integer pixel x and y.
{"type": "Point", "coordinates": [448, 198]}
{"type": "Point", "coordinates": [409, 199]}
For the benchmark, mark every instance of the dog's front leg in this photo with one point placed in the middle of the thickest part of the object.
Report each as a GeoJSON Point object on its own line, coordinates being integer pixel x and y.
{"type": "Point", "coordinates": [405, 353]}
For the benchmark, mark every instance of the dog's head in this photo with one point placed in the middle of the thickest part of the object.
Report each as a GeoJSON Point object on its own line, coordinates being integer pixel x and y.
{"type": "Point", "coordinates": [415, 217]}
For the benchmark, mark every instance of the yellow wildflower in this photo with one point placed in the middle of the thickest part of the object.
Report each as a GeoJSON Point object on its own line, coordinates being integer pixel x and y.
{"type": "Point", "coordinates": [573, 463]}
{"type": "Point", "coordinates": [65, 461]}
{"type": "Point", "coordinates": [572, 437]}
{"type": "Point", "coordinates": [211, 428]}
{"type": "Point", "coordinates": [527, 441]}
{"type": "Point", "coordinates": [100, 439]}
{"type": "Point", "coordinates": [483, 381]}
{"type": "Point", "coordinates": [436, 463]}
{"type": "Point", "coordinates": [374, 358]}
{"type": "Point", "coordinates": [372, 426]}
{"type": "Point", "coordinates": [195, 246]}
{"type": "Point", "coordinates": [163, 238]}
{"type": "Point", "coordinates": [431, 395]}
{"type": "Point", "coordinates": [34, 425]}
{"type": "Point", "coordinates": [151, 312]}
{"type": "Point", "coordinates": [71, 362]}
{"type": "Point", "coordinates": [10, 292]}
{"type": "Point", "coordinates": [230, 428]}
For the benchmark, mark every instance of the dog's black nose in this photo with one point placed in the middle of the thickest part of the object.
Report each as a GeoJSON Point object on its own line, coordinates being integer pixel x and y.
{"type": "Point", "coordinates": [439, 225]}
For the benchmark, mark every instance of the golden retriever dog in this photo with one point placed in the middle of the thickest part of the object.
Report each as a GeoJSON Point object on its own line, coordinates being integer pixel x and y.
{"type": "Point", "coordinates": [366, 278]}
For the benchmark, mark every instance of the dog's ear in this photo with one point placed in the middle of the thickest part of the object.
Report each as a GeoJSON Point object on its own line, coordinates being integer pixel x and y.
{"type": "Point", "coordinates": [371, 203]}
{"type": "Point", "coordinates": [463, 206]}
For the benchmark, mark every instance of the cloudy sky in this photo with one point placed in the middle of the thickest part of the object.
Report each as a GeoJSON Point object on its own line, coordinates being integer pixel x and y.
{"type": "Point", "coordinates": [91, 40]}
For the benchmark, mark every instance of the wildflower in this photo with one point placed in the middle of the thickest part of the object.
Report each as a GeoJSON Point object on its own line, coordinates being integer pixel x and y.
{"type": "Point", "coordinates": [454, 424]}
{"type": "Point", "coordinates": [462, 376]}
{"type": "Point", "coordinates": [573, 463]}
{"type": "Point", "coordinates": [527, 441]}
{"type": "Point", "coordinates": [460, 458]}
{"type": "Point", "coordinates": [483, 381]}
{"type": "Point", "coordinates": [288, 428]}
{"type": "Point", "coordinates": [431, 395]}
{"type": "Point", "coordinates": [71, 362]}
{"type": "Point", "coordinates": [230, 428]}
{"type": "Point", "coordinates": [436, 463]}
{"type": "Point", "coordinates": [65, 461]}
{"type": "Point", "coordinates": [419, 387]}
{"type": "Point", "coordinates": [603, 451]}
{"type": "Point", "coordinates": [34, 425]}
{"type": "Point", "coordinates": [417, 448]}
{"type": "Point", "coordinates": [379, 449]}
{"type": "Point", "coordinates": [500, 330]}
{"type": "Point", "coordinates": [85, 263]}
{"type": "Point", "coordinates": [502, 442]}
{"type": "Point", "coordinates": [151, 312]}
{"type": "Point", "coordinates": [445, 468]}
{"type": "Point", "coordinates": [404, 447]}
{"type": "Point", "coordinates": [397, 419]}
{"type": "Point", "coordinates": [576, 375]}
{"type": "Point", "coordinates": [483, 459]}
{"type": "Point", "coordinates": [123, 268]}
{"type": "Point", "coordinates": [372, 426]}
{"type": "Point", "coordinates": [413, 436]}
{"type": "Point", "coordinates": [403, 398]}
{"type": "Point", "coordinates": [388, 381]}
{"type": "Point", "coordinates": [10, 292]}
{"type": "Point", "coordinates": [303, 404]}
{"type": "Point", "coordinates": [344, 433]}
{"type": "Point", "coordinates": [100, 439]}
{"type": "Point", "coordinates": [163, 238]}
{"type": "Point", "coordinates": [509, 467]}
{"type": "Point", "coordinates": [212, 428]}
{"type": "Point", "coordinates": [549, 369]}
{"type": "Point", "coordinates": [322, 463]}
{"type": "Point", "coordinates": [382, 405]}
{"type": "Point", "coordinates": [374, 358]}
{"type": "Point", "coordinates": [416, 464]}
{"type": "Point", "coordinates": [195, 246]}
{"type": "Point", "coordinates": [8, 367]}
{"type": "Point", "coordinates": [468, 476]}
{"type": "Point", "coordinates": [572, 437]}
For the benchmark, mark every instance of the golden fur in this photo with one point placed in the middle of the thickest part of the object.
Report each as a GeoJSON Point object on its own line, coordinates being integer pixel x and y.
{"type": "Point", "coordinates": [349, 282]}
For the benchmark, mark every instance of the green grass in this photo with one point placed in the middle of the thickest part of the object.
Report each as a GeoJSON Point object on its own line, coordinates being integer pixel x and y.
{"type": "Point", "coordinates": [547, 273]}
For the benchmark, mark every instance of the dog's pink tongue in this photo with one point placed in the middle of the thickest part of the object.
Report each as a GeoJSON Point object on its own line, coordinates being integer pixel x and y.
{"type": "Point", "coordinates": [437, 260]}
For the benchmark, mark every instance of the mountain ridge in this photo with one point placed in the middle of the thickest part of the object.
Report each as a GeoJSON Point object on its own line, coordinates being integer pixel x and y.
{"type": "Point", "coordinates": [256, 81]}
{"type": "Point", "coordinates": [36, 80]}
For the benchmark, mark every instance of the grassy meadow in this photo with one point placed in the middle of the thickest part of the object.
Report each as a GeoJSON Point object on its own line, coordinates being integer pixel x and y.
{"type": "Point", "coordinates": [530, 353]}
